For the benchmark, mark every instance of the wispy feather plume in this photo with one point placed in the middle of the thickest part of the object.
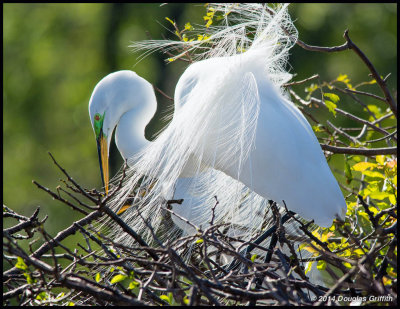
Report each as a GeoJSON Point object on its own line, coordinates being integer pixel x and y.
{"type": "Point", "coordinates": [214, 125]}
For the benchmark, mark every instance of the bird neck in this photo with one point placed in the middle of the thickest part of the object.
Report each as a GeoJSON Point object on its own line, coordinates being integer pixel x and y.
{"type": "Point", "coordinates": [129, 134]}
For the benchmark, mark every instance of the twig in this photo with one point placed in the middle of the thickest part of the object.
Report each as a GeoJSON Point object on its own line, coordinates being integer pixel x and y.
{"type": "Point", "coordinates": [367, 94]}
{"type": "Point", "coordinates": [301, 81]}
{"type": "Point", "coordinates": [361, 151]}
{"type": "Point", "coordinates": [379, 80]}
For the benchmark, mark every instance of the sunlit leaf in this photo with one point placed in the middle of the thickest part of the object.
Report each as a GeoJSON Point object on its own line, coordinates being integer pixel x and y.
{"type": "Point", "coordinates": [310, 249]}
{"type": "Point", "coordinates": [321, 265]}
{"type": "Point", "coordinates": [331, 106]}
{"type": "Point", "coordinates": [42, 296]}
{"type": "Point", "coordinates": [386, 280]}
{"type": "Point", "coordinates": [326, 236]}
{"type": "Point", "coordinates": [166, 298]}
{"type": "Point", "coordinates": [332, 96]}
{"type": "Point", "coordinates": [29, 279]}
{"type": "Point", "coordinates": [344, 79]}
{"type": "Point", "coordinates": [118, 278]}
{"type": "Point", "coordinates": [359, 252]}
{"type": "Point", "coordinates": [133, 284]}
{"type": "Point", "coordinates": [173, 23]}
{"type": "Point", "coordinates": [379, 195]}
{"type": "Point", "coordinates": [361, 166]}
{"type": "Point", "coordinates": [375, 110]}
{"type": "Point", "coordinates": [380, 159]}
{"type": "Point", "coordinates": [21, 263]}
{"type": "Point", "coordinates": [364, 215]}
{"type": "Point", "coordinates": [373, 174]}
{"type": "Point", "coordinates": [188, 27]}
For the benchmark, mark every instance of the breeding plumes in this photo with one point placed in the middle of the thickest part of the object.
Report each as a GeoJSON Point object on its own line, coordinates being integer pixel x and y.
{"type": "Point", "coordinates": [234, 138]}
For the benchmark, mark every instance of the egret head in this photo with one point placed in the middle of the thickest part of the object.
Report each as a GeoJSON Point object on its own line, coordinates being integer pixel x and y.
{"type": "Point", "coordinates": [125, 99]}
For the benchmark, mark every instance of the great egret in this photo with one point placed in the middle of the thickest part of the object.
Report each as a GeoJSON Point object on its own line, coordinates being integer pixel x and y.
{"type": "Point", "coordinates": [232, 123]}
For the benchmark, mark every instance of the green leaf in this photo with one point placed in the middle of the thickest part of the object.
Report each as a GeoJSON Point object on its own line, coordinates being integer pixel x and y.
{"type": "Point", "coordinates": [41, 296]}
{"type": "Point", "coordinates": [317, 128]}
{"type": "Point", "coordinates": [331, 106]}
{"type": "Point", "coordinates": [375, 110]}
{"type": "Point", "coordinates": [348, 265]}
{"type": "Point", "coordinates": [21, 263]}
{"type": "Point", "coordinates": [380, 159]}
{"type": "Point", "coordinates": [199, 241]}
{"type": "Point", "coordinates": [302, 246]}
{"type": "Point", "coordinates": [344, 79]}
{"type": "Point", "coordinates": [97, 277]}
{"type": "Point", "coordinates": [347, 171]}
{"type": "Point", "coordinates": [170, 21]}
{"type": "Point", "coordinates": [133, 284]}
{"type": "Point", "coordinates": [321, 265]}
{"type": "Point", "coordinates": [379, 195]}
{"type": "Point", "coordinates": [29, 278]}
{"type": "Point", "coordinates": [166, 298]}
{"type": "Point", "coordinates": [188, 27]}
{"type": "Point", "coordinates": [311, 88]}
{"type": "Point", "coordinates": [118, 278]}
{"type": "Point", "coordinates": [373, 174]}
{"type": "Point", "coordinates": [364, 215]}
{"type": "Point", "coordinates": [253, 257]}
{"type": "Point", "coordinates": [332, 96]}
{"type": "Point", "coordinates": [356, 158]}
{"type": "Point", "coordinates": [201, 37]}
{"type": "Point", "coordinates": [358, 252]}
{"type": "Point", "coordinates": [362, 166]}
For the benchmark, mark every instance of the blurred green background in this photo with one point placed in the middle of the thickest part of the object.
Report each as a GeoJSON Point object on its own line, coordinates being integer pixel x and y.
{"type": "Point", "coordinates": [54, 54]}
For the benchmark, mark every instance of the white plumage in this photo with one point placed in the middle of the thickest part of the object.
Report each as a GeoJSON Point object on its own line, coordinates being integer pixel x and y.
{"type": "Point", "coordinates": [234, 134]}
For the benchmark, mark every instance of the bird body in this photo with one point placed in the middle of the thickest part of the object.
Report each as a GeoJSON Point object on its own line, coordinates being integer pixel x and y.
{"type": "Point", "coordinates": [285, 156]}
{"type": "Point", "coordinates": [234, 135]}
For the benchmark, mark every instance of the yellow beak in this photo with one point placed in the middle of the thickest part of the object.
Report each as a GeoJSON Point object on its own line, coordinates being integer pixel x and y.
{"type": "Point", "coordinates": [103, 160]}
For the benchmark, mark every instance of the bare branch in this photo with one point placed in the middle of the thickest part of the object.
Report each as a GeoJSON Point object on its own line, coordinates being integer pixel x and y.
{"type": "Point", "coordinates": [389, 99]}
{"type": "Point", "coordinates": [360, 151]}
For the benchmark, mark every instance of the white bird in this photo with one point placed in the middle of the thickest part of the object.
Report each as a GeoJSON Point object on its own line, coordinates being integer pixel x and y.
{"type": "Point", "coordinates": [233, 132]}
{"type": "Point", "coordinates": [125, 101]}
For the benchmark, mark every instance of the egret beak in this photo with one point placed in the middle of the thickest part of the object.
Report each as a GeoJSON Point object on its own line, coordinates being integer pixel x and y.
{"type": "Point", "coordinates": [103, 159]}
